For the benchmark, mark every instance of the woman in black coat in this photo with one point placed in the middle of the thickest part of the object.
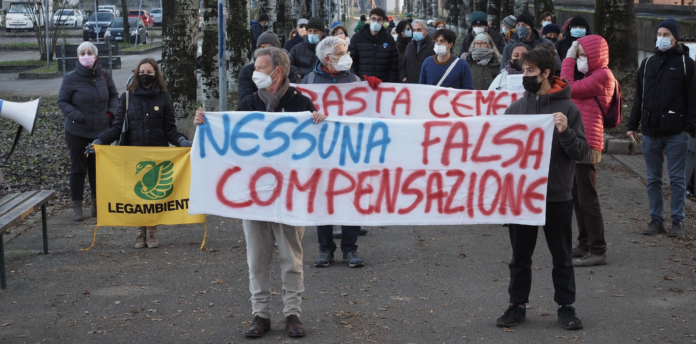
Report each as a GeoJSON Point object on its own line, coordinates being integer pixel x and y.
{"type": "Point", "coordinates": [88, 98]}
{"type": "Point", "coordinates": [150, 122]}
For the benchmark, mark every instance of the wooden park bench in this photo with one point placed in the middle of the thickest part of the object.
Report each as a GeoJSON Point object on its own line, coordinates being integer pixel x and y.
{"type": "Point", "coordinates": [108, 56]}
{"type": "Point", "coordinates": [14, 208]}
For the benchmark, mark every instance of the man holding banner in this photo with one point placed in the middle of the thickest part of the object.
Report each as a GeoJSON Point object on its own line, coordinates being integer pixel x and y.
{"type": "Point", "coordinates": [272, 67]}
{"type": "Point", "coordinates": [546, 93]}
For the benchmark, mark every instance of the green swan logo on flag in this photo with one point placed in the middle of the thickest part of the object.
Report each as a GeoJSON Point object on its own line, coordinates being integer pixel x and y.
{"type": "Point", "coordinates": [157, 182]}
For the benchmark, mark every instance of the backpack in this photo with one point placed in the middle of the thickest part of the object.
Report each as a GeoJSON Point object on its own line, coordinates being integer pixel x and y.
{"type": "Point", "coordinates": [613, 116]}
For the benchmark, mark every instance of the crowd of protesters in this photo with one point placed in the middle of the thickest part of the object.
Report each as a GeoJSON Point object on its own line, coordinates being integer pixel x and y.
{"type": "Point", "coordinates": [564, 72]}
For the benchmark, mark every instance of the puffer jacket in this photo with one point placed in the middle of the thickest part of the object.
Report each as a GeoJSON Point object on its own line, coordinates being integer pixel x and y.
{"type": "Point", "coordinates": [669, 106]}
{"type": "Point", "coordinates": [318, 76]}
{"type": "Point", "coordinates": [598, 82]}
{"type": "Point", "coordinates": [304, 57]}
{"type": "Point", "coordinates": [536, 40]}
{"type": "Point", "coordinates": [483, 76]}
{"type": "Point", "coordinates": [567, 147]}
{"type": "Point", "coordinates": [247, 87]}
{"type": "Point", "coordinates": [151, 120]}
{"type": "Point", "coordinates": [374, 55]}
{"type": "Point", "coordinates": [256, 31]}
{"type": "Point", "coordinates": [413, 61]}
{"type": "Point", "coordinates": [85, 96]}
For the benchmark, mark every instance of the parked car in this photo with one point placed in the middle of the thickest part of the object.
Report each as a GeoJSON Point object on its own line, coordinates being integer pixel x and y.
{"type": "Point", "coordinates": [111, 8]}
{"type": "Point", "coordinates": [115, 31]}
{"type": "Point", "coordinates": [97, 23]}
{"type": "Point", "coordinates": [68, 17]}
{"type": "Point", "coordinates": [156, 14]}
{"type": "Point", "coordinates": [144, 16]}
{"type": "Point", "coordinates": [19, 16]}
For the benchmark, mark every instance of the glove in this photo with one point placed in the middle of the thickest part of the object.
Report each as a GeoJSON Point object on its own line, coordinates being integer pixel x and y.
{"type": "Point", "coordinates": [90, 147]}
{"type": "Point", "coordinates": [372, 81]}
{"type": "Point", "coordinates": [573, 51]}
{"type": "Point", "coordinates": [183, 142]}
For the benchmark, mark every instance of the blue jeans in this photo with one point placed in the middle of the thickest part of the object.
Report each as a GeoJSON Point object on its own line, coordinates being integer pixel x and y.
{"type": "Point", "coordinates": [653, 152]}
{"type": "Point", "coordinates": [349, 238]}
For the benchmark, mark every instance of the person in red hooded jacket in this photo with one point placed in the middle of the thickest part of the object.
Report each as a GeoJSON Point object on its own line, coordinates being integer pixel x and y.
{"type": "Point", "coordinates": [591, 56]}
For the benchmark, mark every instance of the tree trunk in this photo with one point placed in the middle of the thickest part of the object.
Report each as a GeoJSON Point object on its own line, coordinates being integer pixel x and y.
{"type": "Point", "coordinates": [322, 11]}
{"type": "Point", "coordinates": [480, 5]}
{"type": "Point", "coordinates": [126, 25]}
{"type": "Point", "coordinates": [615, 20]}
{"type": "Point", "coordinates": [455, 16]}
{"type": "Point", "coordinates": [541, 6]}
{"type": "Point", "coordinates": [436, 10]}
{"type": "Point", "coordinates": [179, 45]}
{"type": "Point", "coordinates": [494, 14]}
{"type": "Point", "coordinates": [521, 6]}
{"type": "Point", "coordinates": [269, 7]}
{"type": "Point", "coordinates": [279, 25]}
{"type": "Point", "coordinates": [238, 41]}
{"type": "Point", "coordinates": [507, 7]}
{"type": "Point", "coordinates": [210, 73]}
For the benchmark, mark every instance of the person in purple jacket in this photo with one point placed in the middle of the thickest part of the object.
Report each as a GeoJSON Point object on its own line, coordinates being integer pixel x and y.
{"type": "Point", "coordinates": [445, 69]}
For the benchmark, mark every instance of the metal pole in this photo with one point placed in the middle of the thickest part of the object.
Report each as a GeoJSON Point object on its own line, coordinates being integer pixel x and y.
{"type": "Point", "coordinates": [96, 21]}
{"type": "Point", "coordinates": [48, 64]}
{"type": "Point", "coordinates": [3, 278]}
{"type": "Point", "coordinates": [314, 8]}
{"type": "Point", "coordinates": [221, 56]}
{"type": "Point", "coordinates": [44, 227]}
{"type": "Point", "coordinates": [137, 24]}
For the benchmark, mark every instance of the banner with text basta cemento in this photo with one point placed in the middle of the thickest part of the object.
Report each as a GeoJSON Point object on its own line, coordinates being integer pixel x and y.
{"type": "Point", "coordinates": [403, 101]}
{"type": "Point", "coordinates": [143, 186]}
{"type": "Point", "coordinates": [282, 167]}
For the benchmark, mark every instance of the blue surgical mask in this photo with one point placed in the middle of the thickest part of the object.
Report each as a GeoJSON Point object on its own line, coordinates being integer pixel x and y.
{"type": "Point", "coordinates": [375, 27]}
{"type": "Point", "coordinates": [577, 33]}
{"type": "Point", "coordinates": [523, 32]}
{"type": "Point", "coordinates": [418, 36]}
{"type": "Point", "coordinates": [408, 33]}
{"type": "Point", "coordinates": [544, 23]}
{"type": "Point", "coordinates": [313, 39]}
{"type": "Point", "coordinates": [503, 30]}
{"type": "Point", "coordinates": [663, 43]}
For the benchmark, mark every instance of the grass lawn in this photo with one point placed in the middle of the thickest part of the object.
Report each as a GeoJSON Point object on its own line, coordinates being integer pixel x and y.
{"type": "Point", "coordinates": [22, 63]}
{"type": "Point", "coordinates": [19, 45]}
{"type": "Point", "coordinates": [131, 47]}
{"type": "Point", "coordinates": [52, 69]}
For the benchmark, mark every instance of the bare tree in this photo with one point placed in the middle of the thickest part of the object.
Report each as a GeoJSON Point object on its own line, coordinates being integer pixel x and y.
{"type": "Point", "coordinates": [615, 20]}
{"type": "Point", "coordinates": [542, 6]}
{"type": "Point", "coordinates": [179, 46]}
{"type": "Point", "coordinates": [507, 7]}
{"type": "Point", "coordinates": [455, 16]}
{"type": "Point", "coordinates": [126, 24]}
{"type": "Point", "coordinates": [480, 5]}
{"type": "Point", "coordinates": [494, 14]}
{"type": "Point", "coordinates": [435, 10]}
{"type": "Point", "coordinates": [36, 10]}
{"type": "Point", "coordinates": [521, 6]}
{"type": "Point", "coordinates": [269, 7]}
{"type": "Point", "coordinates": [285, 21]}
{"type": "Point", "coordinates": [210, 73]}
{"type": "Point", "coordinates": [239, 40]}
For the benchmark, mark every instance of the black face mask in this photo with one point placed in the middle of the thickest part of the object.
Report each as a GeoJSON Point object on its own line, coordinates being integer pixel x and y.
{"type": "Point", "coordinates": [530, 83]}
{"type": "Point", "coordinates": [552, 39]}
{"type": "Point", "coordinates": [146, 80]}
{"type": "Point", "coordinates": [516, 64]}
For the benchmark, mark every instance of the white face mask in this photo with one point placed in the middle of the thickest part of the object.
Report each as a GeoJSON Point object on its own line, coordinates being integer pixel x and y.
{"type": "Point", "coordinates": [262, 80]}
{"type": "Point", "coordinates": [343, 64]}
{"type": "Point", "coordinates": [478, 30]}
{"type": "Point", "coordinates": [663, 43]}
{"type": "Point", "coordinates": [440, 49]}
{"type": "Point", "coordinates": [582, 65]}
{"type": "Point", "coordinates": [395, 36]}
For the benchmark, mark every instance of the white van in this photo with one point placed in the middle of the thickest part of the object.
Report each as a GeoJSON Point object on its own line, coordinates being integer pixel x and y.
{"type": "Point", "coordinates": [20, 15]}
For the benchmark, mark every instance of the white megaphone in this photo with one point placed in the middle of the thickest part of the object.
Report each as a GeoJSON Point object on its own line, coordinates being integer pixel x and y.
{"type": "Point", "coordinates": [24, 114]}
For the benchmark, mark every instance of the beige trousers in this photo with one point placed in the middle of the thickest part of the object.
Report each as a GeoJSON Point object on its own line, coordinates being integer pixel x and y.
{"type": "Point", "coordinates": [260, 239]}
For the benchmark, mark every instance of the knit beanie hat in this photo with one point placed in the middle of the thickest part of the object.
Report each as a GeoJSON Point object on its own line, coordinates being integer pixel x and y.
{"type": "Point", "coordinates": [551, 28]}
{"type": "Point", "coordinates": [302, 21]}
{"type": "Point", "coordinates": [579, 21]}
{"type": "Point", "coordinates": [263, 17]}
{"type": "Point", "coordinates": [363, 18]}
{"type": "Point", "coordinates": [316, 23]}
{"type": "Point", "coordinates": [479, 18]}
{"type": "Point", "coordinates": [672, 26]}
{"type": "Point", "coordinates": [526, 18]}
{"type": "Point", "coordinates": [268, 37]}
{"type": "Point", "coordinates": [510, 21]}
{"type": "Point", "coordinates": [481, 37]}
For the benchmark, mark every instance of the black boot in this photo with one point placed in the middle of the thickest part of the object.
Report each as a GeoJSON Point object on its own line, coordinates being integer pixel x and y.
{"type": "Point", "coordinates": [77, 211]}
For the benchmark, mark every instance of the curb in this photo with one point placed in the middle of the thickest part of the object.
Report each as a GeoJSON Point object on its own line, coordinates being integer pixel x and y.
{"type": "Point", "coordinates": [622, 147]}
{"type": "Point", "coordinates": [17, 69]}
{"type": "Point", "coordinates": [141, 52]}
{"type": "Point", "coordinates": [36, 76]}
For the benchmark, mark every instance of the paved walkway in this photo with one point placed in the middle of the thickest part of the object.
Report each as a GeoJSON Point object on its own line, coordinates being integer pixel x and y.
{"type": "Point", "coordinates": [426, 284]}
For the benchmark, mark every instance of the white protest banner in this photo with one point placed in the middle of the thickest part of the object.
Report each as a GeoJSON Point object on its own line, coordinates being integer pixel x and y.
{"type": "Point", "coordinates": [281, 167]}
{"type": "Point", "coordinates": [401, 101]}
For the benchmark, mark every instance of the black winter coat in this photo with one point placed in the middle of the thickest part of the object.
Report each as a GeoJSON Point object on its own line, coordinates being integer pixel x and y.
{"type": "Point", "coordinates": [292, 101]}
{"type": "Point", "coordinates": [374, 55]}
{"type": "Point", "coordinates": [498, 40]}
{"type": "Point", "coordinates": [412, 62]}
{"type": "Point", "coordinates": [293, 42]}
{"type": "Point", "coordinates": [256, 31]}
{"type": "Point", "coordinates": [247, 87]}
{"type": "Point", "coordinates": [85, 96]}
{"type": "Point", "coordinates": [304, 57]}
{"type": "Point", "coordinates": [668, 96]}
{"type": "Point", "coordinates": [151, 120]}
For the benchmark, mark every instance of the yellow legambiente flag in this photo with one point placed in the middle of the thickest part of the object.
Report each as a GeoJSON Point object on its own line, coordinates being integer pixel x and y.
{"type": "Point", "coordinates": [143, 186]}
